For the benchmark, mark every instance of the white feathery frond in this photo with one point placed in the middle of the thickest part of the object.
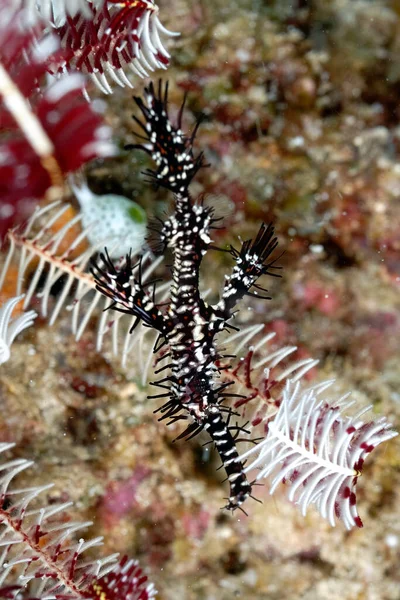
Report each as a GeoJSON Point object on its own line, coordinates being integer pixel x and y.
{"type": "Point", "coordinates": [111, 39]}
{"type": "Point", "coordinates": [318, 451]}
{"type": "Point", "coordinates": [40, 566]}
{"type": "Point", "coordinates": [260, 372]}
{"type": "Point", "coordinates": [42, 555]}
{"type": "Point", "coordinates": [49, 246]}
{"type": "Point", "coordinates": [10, 328]}
{"type": "Point", "coordinates": [268, 359]}
{"type": "Point", "coordinates": [148, 50]}
{"type": "Point", "coordinates": [244, 336]}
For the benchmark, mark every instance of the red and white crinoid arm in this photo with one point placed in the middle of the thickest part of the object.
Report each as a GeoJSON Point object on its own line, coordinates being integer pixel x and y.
{"type": "Point", "coordinates": [316, 450]}
{"type": "Point", "coordinates": [115, 37]}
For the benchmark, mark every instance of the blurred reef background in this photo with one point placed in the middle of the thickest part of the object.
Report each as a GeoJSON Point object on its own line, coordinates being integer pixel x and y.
{"type": "Point", "coordinates": [302, 128]}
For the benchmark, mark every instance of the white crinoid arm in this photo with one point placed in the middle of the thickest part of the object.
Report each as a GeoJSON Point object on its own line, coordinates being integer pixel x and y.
{"type": "Point", "coordinates": [152, 46]}
{"type": "Point", "coordinates": [318, 452]}
{"type": "Point", "coordinates": [42, 553]}
{"type": "Point", "coordinates": [55, 247]}
{"type": "Point", "coordinates": [10, 328]}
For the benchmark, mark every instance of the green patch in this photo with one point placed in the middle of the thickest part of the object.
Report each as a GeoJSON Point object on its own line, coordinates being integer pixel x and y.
{"type": "Point", "coordinates": [137, 214]}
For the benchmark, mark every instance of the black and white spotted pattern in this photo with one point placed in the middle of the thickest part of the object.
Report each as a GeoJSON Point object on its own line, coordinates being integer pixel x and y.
{"type": "Point", "coordinates": [240, 488]}
{"type": "Point", "coordinates": [167, 145]}
{"type": "Point", "coordinates": [188, 326]}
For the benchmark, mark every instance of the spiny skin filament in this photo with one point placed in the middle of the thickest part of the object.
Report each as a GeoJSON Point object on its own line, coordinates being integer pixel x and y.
{"type": "Point", "coordinates": [188, 326]}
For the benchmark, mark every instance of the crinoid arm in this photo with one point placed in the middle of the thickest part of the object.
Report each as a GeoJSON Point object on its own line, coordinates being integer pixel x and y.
{"type": "Point", "coordinates": [110, 37]}
{"type": "Point", "coordinates": [318, 452]}
{"type": "Point", "coordinates": [9, 329]}
{"type": "Point", "coordinates": [48, 130]}
{"type": "Point", "coordinates": [52, 252]}
{"type": "Point", "coordinates": [259, 369]}
{"type": "Point", "coordinates": [43, 553]}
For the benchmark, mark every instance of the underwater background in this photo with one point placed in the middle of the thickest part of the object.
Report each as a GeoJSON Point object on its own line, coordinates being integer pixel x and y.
{"type": "Point", "coordinates": [301, 128]}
